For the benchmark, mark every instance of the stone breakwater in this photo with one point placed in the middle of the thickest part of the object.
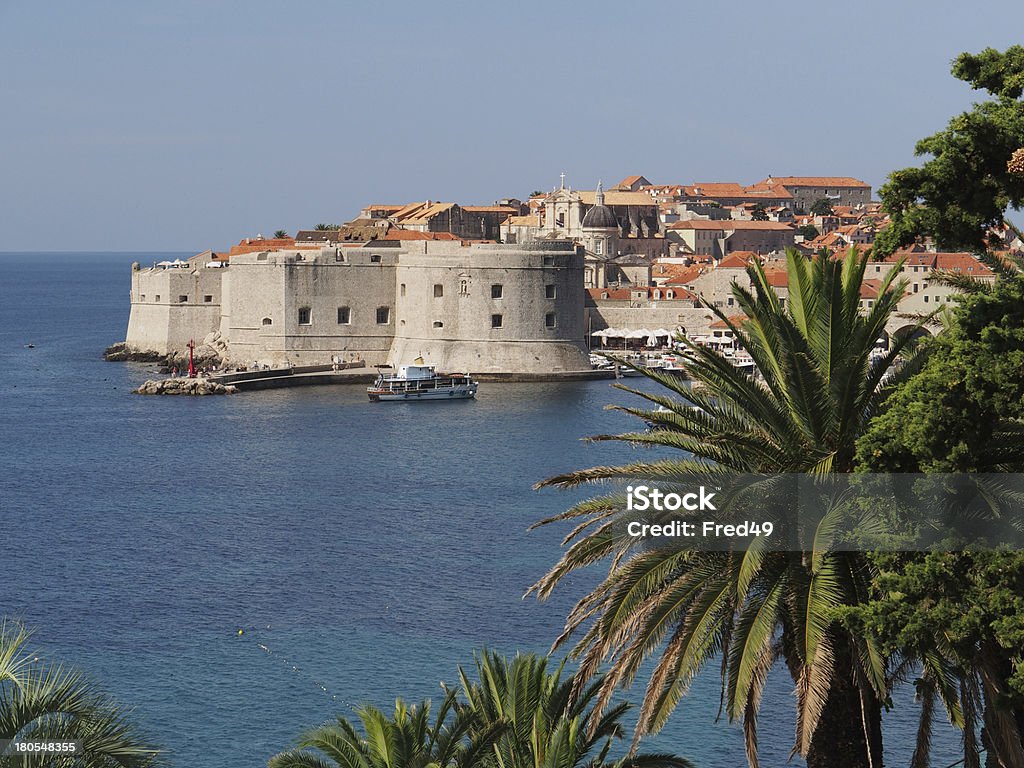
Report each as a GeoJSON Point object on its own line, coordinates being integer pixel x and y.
{"type": "Point", "coordinates": [184, 386]}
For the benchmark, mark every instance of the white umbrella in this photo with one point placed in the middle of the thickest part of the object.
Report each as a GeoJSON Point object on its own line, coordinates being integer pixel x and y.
{"type": "Point", "coordinates": [603, 333]}
{"type": "Point", "coordinates": [662, 332]}
{"type": "Point", "coordinates": [641, 333]}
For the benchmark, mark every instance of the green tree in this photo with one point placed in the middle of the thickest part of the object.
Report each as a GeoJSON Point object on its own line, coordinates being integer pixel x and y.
{"type": "Point", "coordinates": [962, 411]}
{"type": "Point", "coordinates": [821, 207]}
{"type": "Point", "coordinates": [820, 388]}
{"type": "Point", "coordinates": [542, 723]}
{"type": "Point", "coordinates": [279, 234]}
{"type": "Point", "coordinates": [959, 614]}
{"type": "Point", "coordinates": [409, 738]}
{"type": "Point", "coordinates": [960, 617]}
{"type": "Point", "coordinates": [45, 702]}
{"type": "Point", "coordinates": [327, 227]}
{"type": "Point", "coordinates": [759, 213]}
{"type": "Point", "coordinates": [970, 181]}
{"type": "Point", "coordinates": [809, 231]}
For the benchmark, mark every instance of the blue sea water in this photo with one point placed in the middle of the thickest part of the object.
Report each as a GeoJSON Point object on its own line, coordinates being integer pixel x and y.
{"type": "Point", "coordinates": [365, 550]}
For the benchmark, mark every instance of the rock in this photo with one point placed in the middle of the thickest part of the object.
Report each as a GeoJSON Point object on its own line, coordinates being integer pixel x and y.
{"type": "Point", "coordinates": [117, 353]}
{"type": "Point", "coordinates": [210, 354]}
{"type": "Point", "coordinates": [184, 386]}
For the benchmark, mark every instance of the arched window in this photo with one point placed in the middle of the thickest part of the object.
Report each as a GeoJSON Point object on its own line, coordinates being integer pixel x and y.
{"type": "Point", "coordinates": [267, 321]}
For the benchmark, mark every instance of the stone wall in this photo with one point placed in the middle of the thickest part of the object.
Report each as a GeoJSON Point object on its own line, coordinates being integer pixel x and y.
{"type": "Point", "coordinates": [491, 308]}
{"type": "Point", "coordinates": [171, 306]}
{"type": "Point", "coordinates": [306, 308]}
{"type": "Point", "coordinates": [479, 308]}
{"type": "Point", "coordinates": [652, 315]}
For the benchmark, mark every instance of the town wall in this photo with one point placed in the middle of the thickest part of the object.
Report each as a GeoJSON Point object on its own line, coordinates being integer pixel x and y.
{"type": "Point", "coordinates": [308, 307]}
{"type": "Point", "coordinates": [171, 306]}
{"type": "Point", "coordinates": [491, 308]}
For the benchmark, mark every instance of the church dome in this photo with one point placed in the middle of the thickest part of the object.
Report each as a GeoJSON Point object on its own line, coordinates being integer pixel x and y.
{"type": "Point", "coordinates": [600, 217]}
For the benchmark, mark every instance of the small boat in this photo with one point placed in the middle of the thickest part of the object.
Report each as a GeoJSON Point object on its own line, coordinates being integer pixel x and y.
{"type": "Point", "coordinates": [421, 382]}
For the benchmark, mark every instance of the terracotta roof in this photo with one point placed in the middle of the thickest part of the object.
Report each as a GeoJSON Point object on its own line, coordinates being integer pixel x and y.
{"type": "Point", "coordinates": [962, 262]}
{"type": "Point", "coordinates": [421, 213]}
{"type": "Point", "coordinates": [677, 274]}
{"type": "Point", "coordinates": [812, 181]}
{"type": "Point", "coordinates": [629, 181]}
{"type": "Point", "coordinates": [777, 278]}
{"type": "Point", "coordinates": [869, 289]}
{"type": "Point", "coordinates": [411, 234]}
{"type": "Point", "coordinates": [256, 244]}
{"type": "Point", "coordinates": [734, 319]}
{"type": "Point", "coordinates": [489, 209]}
{"type": "Point", "coordinates": [736, 260]}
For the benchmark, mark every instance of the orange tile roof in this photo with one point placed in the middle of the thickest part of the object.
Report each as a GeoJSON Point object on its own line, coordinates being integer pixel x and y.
{"type": "Point", "coordinates": [677, 274]}
{"type": "Point", "coordinates": [629, 181]}
{"type": "Point", "coordinates": [255, 244]}
{"type": "Point", "coordinates": [812, 181]}
{"type": "Point", "coordinates": [777, 278]}
{"type": "Point", "coordinates": [411, 234]}
{"type": "Point", "coordinates": [869, 289]}
{"type": "Point", "coordinates": [734, 319]}
{"type": "Point", "coordinates": [962, 262]}
{"type": "Point", "coordinates": [489, 209]}
{"type": "Point", "coordinates": [737, 260]}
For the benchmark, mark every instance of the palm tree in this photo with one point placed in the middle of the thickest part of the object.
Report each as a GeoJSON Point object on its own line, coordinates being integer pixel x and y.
{"type": "Point", "coordinates": [280, 234]}
{"type": "Point", "coordinates": [407, 739]}
{"type": "Point", "coordinates": [541, 724]}
{"type": "Point", "coordinates": [820, 388]}
{"type": "Point", "coordinates": [40, 702]}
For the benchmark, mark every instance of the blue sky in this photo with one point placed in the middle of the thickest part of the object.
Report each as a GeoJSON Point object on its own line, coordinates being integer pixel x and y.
{"type": "Point", "coordinates": [190, 124]}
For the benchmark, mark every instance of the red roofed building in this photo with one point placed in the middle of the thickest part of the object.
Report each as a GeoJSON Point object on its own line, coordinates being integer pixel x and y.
{"type": "Point", "coordinates": [921, 269]}
{"type": "Point", "coordinates": [718, 238]}
{"type": "Point", "coordinates": [731, 194]}
{"type": "Point", "coordinates": [806, 190]}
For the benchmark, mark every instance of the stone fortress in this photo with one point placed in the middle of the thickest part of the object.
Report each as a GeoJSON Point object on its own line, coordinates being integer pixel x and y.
{"type": "Point", "coordinates": [476, 307]}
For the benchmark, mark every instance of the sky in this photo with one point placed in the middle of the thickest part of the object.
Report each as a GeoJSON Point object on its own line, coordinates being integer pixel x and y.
{"type": "Point", "coordinates": [191, 124]}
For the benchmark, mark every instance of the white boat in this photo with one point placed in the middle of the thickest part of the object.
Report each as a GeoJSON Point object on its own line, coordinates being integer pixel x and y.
{"type": "Point", "coordinates": [421, 382]}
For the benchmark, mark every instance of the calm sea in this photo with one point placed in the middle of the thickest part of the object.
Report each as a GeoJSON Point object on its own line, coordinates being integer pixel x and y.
{"type": "Point", "coordinates": [366, 550]}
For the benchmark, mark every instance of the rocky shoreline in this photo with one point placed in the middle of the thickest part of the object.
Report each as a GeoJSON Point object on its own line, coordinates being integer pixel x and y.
{"type": "Point", "coordinates": [184, 386]}
{"type": "Point", "coordinates": [212, 353]}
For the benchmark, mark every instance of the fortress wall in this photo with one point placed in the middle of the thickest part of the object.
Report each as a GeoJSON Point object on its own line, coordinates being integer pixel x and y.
{"type": "Point", "coordinates": [446, 301]}
{"type": "Point", "coordinates": [664, 314]}
{"type": "Point", "coordinates": [284, 306]}
{"type": "Point", "coordinates": [170, 307]}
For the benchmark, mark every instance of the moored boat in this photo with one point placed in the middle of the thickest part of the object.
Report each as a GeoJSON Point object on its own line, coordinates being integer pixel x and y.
{"type": "Point", "coordinates": [421, 382]}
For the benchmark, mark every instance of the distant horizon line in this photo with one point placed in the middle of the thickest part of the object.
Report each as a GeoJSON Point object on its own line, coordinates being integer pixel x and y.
{"type": "Point", "coordinates": [55, 251]}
